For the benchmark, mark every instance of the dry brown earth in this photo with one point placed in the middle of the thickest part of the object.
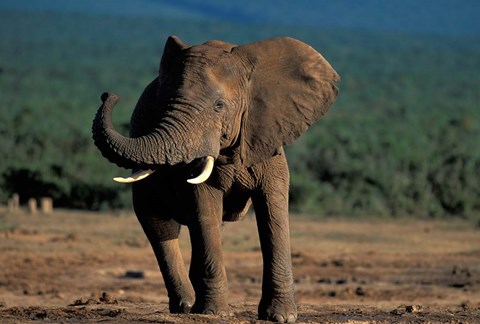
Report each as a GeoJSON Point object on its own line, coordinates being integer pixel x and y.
{"type": "Point", "coordinates": [72, 267]}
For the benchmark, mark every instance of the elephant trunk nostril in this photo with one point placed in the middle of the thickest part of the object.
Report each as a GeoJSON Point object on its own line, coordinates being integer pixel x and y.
{"type": "Point", "coordinates": [120, 149]}
{"type": "Point", "coordinates": [104, 96]}
{"type": "Point", "coordinates": [108, 95]}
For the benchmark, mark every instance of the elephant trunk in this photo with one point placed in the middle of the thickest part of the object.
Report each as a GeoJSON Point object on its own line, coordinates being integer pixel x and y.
{"type": "Point", "coordinates": [126, 152]}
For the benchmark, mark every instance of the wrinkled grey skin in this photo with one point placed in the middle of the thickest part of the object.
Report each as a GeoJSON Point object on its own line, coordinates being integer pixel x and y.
{"type": "Point", "coordinates": [240, 105]}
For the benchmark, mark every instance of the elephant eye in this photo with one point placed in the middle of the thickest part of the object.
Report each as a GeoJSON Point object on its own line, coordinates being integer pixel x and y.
{"type": "Point", "coordinates": [219, 105]}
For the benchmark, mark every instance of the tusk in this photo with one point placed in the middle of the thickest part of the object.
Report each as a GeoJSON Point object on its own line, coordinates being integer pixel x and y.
{"type": "Point", "coordinates": [206, 172]}
{"type": "Point", "coordinates": [137, 176]}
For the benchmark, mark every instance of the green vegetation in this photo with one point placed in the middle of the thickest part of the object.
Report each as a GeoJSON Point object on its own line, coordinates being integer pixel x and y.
{"type": "Point", "coordinates": [401, 139]}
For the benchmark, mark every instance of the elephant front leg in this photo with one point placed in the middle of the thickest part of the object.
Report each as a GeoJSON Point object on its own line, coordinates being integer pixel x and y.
{"type": "Point", "coordinates": [163, 232]}
{"type": "Point", "coordinates": [163, 236]}
{"type": "Point", "coordinates": [179, 288]}
{"type": "Point", "coordinates": [207, 270]}
{"type": "Point", "coordinates": [271, 208]}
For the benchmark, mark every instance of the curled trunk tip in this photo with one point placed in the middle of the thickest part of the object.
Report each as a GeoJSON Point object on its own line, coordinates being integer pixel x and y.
{"type": "Point", "coordinates": [113, 98]}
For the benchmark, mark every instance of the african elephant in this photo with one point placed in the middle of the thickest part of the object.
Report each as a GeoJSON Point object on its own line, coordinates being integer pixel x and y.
{"type": "Point", "coordinates": [209, 132]}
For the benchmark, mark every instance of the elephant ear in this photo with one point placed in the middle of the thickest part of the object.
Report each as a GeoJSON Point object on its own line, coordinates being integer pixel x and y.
{"type": "Point", "coordinates": [145, 114]}
{"type": "Point", "coordinates": [143, 118]}
{"type": "Point", "coordinates": [171, 54]}
{"type": "Point", "coordinates": [291, 87]}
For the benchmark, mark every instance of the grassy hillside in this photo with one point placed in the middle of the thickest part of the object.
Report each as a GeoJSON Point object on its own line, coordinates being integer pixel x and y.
{"type": "Point", "coordinates": [401, 139]}
{"type": "Point", "coordinates": [438, 17]}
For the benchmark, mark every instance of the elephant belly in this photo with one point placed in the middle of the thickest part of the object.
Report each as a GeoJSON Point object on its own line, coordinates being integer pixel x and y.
{"type": "Point", "coordinates": [235, 207]}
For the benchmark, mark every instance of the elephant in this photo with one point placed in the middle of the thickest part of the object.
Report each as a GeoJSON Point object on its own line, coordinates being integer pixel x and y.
{"type": "Point", "coordinates": [206, 142]}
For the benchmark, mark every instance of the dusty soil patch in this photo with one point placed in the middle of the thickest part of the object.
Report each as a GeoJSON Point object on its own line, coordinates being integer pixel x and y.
{"type": "Point", "coordinates": [88, 267]}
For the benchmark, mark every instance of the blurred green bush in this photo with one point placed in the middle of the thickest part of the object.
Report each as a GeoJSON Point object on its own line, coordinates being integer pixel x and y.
{"type": "Point", "coordinates": [402, 138]}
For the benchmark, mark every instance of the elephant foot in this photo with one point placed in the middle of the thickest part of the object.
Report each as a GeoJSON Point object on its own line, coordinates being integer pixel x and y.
{"type": "Point", "coordinates": [180, 306]}
{"type": "Point", "coordinates": [211, 308]}
{"type": "Point", "coordinates": [282, 310]}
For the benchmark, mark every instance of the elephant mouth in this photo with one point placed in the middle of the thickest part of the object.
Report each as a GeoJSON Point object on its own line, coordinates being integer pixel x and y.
{"type": "Point", "coordinates": [201, 170]}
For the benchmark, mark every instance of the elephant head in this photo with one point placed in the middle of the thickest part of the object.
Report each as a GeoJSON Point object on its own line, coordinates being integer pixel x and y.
{"type": "Point", "coordinates": [219, 101]}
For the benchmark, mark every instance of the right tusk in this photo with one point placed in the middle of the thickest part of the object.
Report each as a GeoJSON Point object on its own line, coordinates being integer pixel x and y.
{"type": "Point", "coordinates": [137, 176]}
{"type": "Point", "coordinates": [206, 172]}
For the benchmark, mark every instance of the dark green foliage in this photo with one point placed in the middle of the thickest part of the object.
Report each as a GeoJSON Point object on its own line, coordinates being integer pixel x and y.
{"type": "Point", "coordinates": [401, 139]}
{"type": "Point", "coordinates": [377, 167]}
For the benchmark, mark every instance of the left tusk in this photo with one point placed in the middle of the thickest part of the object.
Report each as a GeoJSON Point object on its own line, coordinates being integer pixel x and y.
{"type": "Point", "coordinates": [206, 172]}
{"type": "Point", "coordinates": [137, 176]}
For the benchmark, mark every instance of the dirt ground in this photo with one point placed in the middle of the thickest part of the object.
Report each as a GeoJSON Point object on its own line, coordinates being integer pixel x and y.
{"type": "Point", "coordinates": [70, 267]}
